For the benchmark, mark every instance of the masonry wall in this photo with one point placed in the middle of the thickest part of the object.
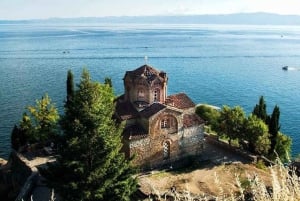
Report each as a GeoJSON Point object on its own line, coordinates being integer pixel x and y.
{"type": "Point", "coordinates": [132, 88]}
{"type": "Point", "coordinates": [149, 151]}
{"type": "Point", "coordinates": [192, 141]}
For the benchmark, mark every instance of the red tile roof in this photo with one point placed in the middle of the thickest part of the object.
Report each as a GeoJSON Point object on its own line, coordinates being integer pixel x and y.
{"type": "Point", "coordinates": [125, 110]}
{"type": "Point", "coordinates": [146, 71]}
{"type": "Point", "coordinates": [180, 101]}
{"type": "Point", "coordinates": [152, 109]}
{"type": "Point", "coordinates": [191, 120]}
{"type": "Point", "coordinates": [134, 132]}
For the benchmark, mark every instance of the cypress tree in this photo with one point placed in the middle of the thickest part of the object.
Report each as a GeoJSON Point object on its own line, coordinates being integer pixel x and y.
{"type": "Point", "coordinates": [260, 110]}
{"type": "Point", "coordinates": [90, 165]}
{"type": "Point", "coordinates": [108, 81]}
{"type": "Point", "coordinates": [274, 127]}
{"type": "Point", "coordinates": [15, 138]}
{"type": "Point", "coordinates": [70, 86]}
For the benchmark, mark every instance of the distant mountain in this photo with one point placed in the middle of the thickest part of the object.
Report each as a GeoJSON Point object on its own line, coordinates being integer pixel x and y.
{"type": "Point", "coordinates": [239, 18]}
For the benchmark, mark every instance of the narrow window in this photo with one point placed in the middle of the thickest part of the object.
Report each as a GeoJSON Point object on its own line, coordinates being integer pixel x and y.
{"type": "Point", "coordinates": [156, 95]}
{"type": "Point", "coordinates": [166, 150]}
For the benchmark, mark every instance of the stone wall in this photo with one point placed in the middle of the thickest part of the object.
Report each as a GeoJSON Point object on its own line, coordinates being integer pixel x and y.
{"type": "Point", "coordinates": [215, 140]}
{"type": "Point", "coordinates": [192, 140]}
{"type": "Point", "coordinates": [149, 151]}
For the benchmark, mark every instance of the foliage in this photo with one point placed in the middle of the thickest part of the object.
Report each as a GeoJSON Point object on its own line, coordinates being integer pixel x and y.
{"type": "Point", "coordinates": [208, 114]}
{"type": "Point", "coordinates": [260, 110]}
{"type": "Point", "coordinates": [274, 127]}
{"type": "Point", "coordinates": [18, 138]}
{"type": "Point", "coordinates": [283, 147]}
{"type": "Point", "coordinates": [70, 87]}
{"type": "Point", "coordinates": [280, 143]}
{"type": "Point", "coordinates": [108, 81]}
{"type": "Point", "coordinates": [231, 122]}
{"type": "Point", "coordinates": [261, 165]}
{"type": "Point", "coordinates": [259, 130]}
{"type": "Point", "coordinates": [284, 186]}
{"type": "Point", "coordinates": [44, 117]}
{"type": "Point", "coordinates": [257, 135]}
{"type": "Point", "coordinates": [90, 166]}
{"type": "Point", "coordinates": [39, 126]}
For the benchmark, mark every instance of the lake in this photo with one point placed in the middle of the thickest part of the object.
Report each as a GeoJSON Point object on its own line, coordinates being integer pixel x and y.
{"type": "Point", "coordinates": [214, 64]}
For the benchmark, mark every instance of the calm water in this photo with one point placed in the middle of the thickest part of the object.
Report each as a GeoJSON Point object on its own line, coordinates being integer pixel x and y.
{"type": "Point", "coordinates": [213, 64]}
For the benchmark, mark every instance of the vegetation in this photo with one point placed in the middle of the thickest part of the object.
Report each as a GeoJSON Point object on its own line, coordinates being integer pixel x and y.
{"type": "Point", "coordinates": [257, 135]}
{"type": "Point", "coordinates": [284, 185]}
{"type": "Point", "coordinates": [274, 127]}
{"type": "Point", "coordinates": [283, 147]}
{"type": "Point", "coordinates": [208, 114]}
{"type": "Point", "coordinates": [260, 131]}
{"type": "Point", "coordinates": [260, 110]}
{"type": "Point", "coordinates": [70, 87]}
{"type": "Point", "coordinates": [231, 122]}
{"type": "Point", "coordinates": [90, 165]}
{"type": "Point", "coordinates": [39, 125]}
{"type": "Point", "coordinates": [280, 143]}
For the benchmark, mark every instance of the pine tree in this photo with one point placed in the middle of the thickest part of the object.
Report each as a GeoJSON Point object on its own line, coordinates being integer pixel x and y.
{"type": "Point", "coordinates": [91, 166]}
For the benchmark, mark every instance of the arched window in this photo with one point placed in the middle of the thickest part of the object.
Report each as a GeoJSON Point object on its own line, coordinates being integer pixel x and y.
{"type": "Point", "coordinates": [168, 123]}
{"type": "Point", "coordinates": [140, 94]}
{"type": "Point", "coordinates": [166, 150]}
{"type": "Point", "coordinates": [165, 123]}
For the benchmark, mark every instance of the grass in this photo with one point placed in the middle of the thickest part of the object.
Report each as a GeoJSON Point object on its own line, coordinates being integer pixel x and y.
{"type": "Point", "coordinates": [284, 186]}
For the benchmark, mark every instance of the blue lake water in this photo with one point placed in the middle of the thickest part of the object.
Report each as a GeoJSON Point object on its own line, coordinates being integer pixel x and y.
{"type": "Point", "coordinates": [215, 64]}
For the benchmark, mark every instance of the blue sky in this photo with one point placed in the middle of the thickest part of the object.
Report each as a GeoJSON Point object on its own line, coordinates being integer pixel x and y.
{"type": "Point", "coordinates": [40, 9]}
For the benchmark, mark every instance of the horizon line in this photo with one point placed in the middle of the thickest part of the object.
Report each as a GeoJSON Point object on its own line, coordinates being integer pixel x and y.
{"type": "Point", "coordinates": [158, 15]}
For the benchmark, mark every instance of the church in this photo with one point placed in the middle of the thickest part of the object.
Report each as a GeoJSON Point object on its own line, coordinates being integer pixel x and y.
{"type": "Point", "coordinates": [160, 129]}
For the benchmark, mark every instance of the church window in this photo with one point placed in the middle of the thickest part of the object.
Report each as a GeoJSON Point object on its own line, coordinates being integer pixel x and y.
{"type": "Point", "coordinates": [166, 150]}
{"type": "Point", "coordinates": [141, 93]}
{"type": "Point", "coordinates": [165, 123]}
{"type": "Point", "coordinates": [156, 95]}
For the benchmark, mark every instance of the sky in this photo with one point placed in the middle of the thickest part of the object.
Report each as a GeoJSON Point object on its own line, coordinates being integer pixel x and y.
{"type": "Point", "coordinates": [43, 9]}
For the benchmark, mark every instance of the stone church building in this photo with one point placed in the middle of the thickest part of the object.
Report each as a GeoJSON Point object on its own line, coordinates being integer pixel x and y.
{"type": "Point", "coordinates": [159, 129]}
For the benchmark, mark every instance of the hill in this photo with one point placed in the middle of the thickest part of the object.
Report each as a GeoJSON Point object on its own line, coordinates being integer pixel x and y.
{"type": "Point", "coordinates": [238, 19]}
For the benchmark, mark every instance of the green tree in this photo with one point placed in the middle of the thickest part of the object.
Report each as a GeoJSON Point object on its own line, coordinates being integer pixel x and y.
{"type": "Point", "coordinates": [43, 122]}
{"type": "Point", "coordinates": [231, 122]}
{"type": "Point", "coordinates": [208, 114]}
{"type": "Point", "coordinates": [283, 147]}
{"type": "Point", "coordinates": [108, 81]}
{"type": "Point", "coordinates": [70, 87]}
{"type": "Point", "coordinates": [90, 166]}
{"type": "Point", "coordinates": [16, 138]}
{"type": "Point", "coordinates": [257, 135]}
{"type": "Point", "coordinates": [260, 110]}
{"type": "Point", "coordinates": [39, 125]}
{"type": "Point", "coordinates": [274, 127]}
